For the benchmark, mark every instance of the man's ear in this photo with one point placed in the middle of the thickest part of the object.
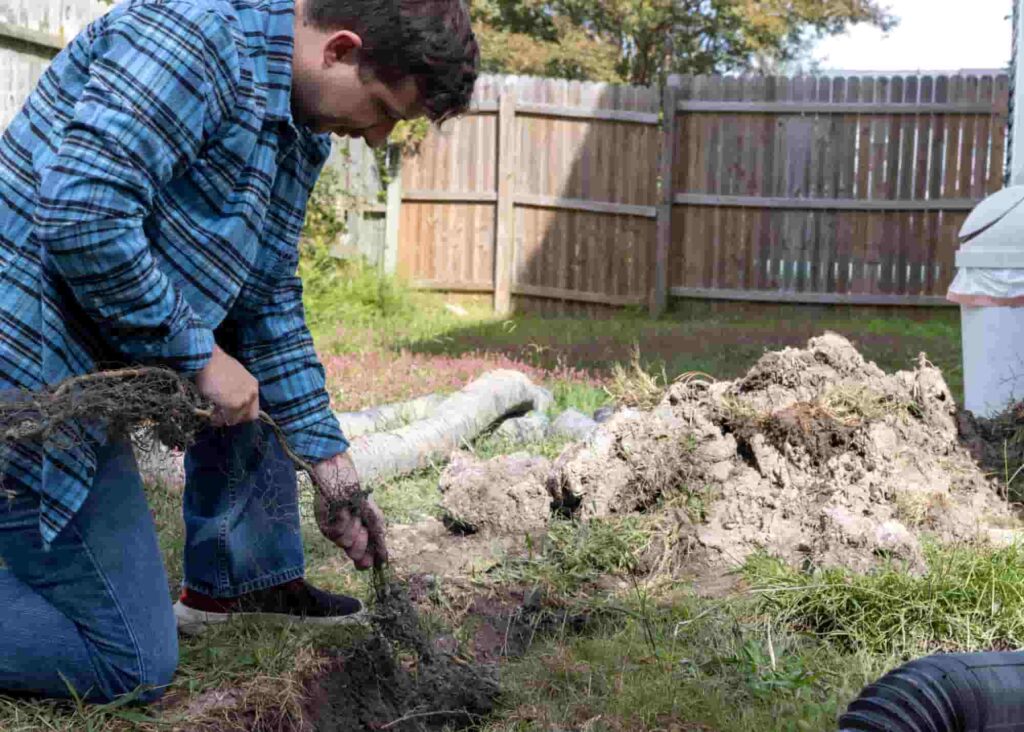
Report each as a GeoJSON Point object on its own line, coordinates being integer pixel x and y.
{"type": "Point", "coordinates": [341, 48]}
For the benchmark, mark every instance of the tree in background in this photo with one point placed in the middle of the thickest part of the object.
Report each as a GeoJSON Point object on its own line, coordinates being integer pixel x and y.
{"type": "Point", "coordinates": [643, 41]}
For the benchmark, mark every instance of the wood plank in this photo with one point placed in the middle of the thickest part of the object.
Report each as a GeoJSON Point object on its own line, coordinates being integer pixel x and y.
{"type": "Point", "coordinates": [577, 204]}
{"type": "Point", "coordinates": [862, 190]}
{"type": "Point", "coordinates": [728, 265]}
{"type": "Point", "coordinates": [424, 196]}
{"type": "Point", "coordinates": [888, 279]}
{"type": "Point", "coordinates": [917, 253]}
{"type": "Point", "coordinates": [451, 286]}
{"type": "Point", "coordinates": [45, 44]}
{"type": "Point", "coordinates": [508, 164]}
{"type": "Point", "coordinates": [561, 111]}
{"type": "Point", "coordinates": [823, 204]}
{"type": "Point", "coordinates": [965, 168]}
{"type": "Point", "coordinates": [803, 107]}
{"type": "Point", "coordinates": [556, 293]}
{"type": "Point", "coordinates": [982, 139]}
{"type": "Point", "coordinates": [940, 134]}
{"type": "Point", "coordinates": [827, 139]}
{"type": "Point", "coordinates": [810, 298]}
{"type": "Point", "coordinates": [714, 176]}
{"type": "Point", "coordinates": [905, 187]}
{"type": "Point", "coordinates": [997, 164]}
{"type": "Point", "coordinates": [954, 125]}
{"type": "Point", "coordinates": [565, 254]}
{"type": "Point", "coordinates": [844, 184]}
{"type": "Point", "coordinates": [752, 166]}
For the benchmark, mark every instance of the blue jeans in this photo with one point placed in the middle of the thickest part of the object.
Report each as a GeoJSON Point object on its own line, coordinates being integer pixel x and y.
{"type": "Point", "coordinates": [94, 611]}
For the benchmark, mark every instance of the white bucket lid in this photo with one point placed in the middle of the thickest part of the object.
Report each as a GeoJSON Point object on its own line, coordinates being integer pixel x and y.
{"type": "Point", "coordinates": [993, 235]}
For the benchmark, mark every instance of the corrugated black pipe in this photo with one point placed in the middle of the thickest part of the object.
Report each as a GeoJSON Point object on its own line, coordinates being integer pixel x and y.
{"type": "Point", "coordinates": [967, 692]}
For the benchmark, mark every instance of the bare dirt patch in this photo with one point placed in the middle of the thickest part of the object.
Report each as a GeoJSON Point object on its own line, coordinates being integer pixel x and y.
{"type": "Point", "coordinates": [401, 678]}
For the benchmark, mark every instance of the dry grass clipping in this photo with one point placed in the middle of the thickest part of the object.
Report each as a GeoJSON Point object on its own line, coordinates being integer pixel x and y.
{"type": "Point", "coordinates": [633, 386]}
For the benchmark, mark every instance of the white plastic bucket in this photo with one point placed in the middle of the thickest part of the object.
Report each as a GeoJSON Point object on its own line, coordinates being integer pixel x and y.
{"type": "Point", "coordinates": [993, 347]}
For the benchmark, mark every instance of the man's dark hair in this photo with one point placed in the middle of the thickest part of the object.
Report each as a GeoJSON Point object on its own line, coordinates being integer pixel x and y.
{"type": "Point", "coordinates": [430, 40]}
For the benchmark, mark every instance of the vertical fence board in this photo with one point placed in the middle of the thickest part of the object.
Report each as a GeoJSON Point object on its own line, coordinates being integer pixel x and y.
{"type": "Point", "coordinates": [562, 249]}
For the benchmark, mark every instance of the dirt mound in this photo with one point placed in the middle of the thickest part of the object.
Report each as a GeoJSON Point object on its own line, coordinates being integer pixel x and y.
{"type": "Point", "coordinates": [815, 455]}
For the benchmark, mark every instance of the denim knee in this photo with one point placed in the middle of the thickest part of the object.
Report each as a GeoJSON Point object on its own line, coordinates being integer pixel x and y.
{"type": "Point", "coordinates": [151, 672]}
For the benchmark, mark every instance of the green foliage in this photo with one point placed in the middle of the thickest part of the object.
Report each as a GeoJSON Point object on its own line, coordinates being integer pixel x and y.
{"type": "Point", "coordinates": [970, 599]}
{"type": "Point", "coordinates": [346, 292]}
{"type": "Point", "coordinates": [408, 134]}
{"type": "Point", "coordinates": [325, 212]}
{"type": "Point", "coordinates": [573, 395]}
{"type": "Point", "coordinates": [339, 291]}
{"type": "Point", "coordinates": [642, 41]}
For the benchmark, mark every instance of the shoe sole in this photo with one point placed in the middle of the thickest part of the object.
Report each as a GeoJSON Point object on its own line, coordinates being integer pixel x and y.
{"type": "Point", "coordinates": [193, 622]}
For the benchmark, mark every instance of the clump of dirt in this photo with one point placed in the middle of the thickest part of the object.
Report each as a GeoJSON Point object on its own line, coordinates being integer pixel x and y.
{"type": "Point", "coordinates": [802, 425]}
{"type": "Point", "coordinates": [400, 678]}
{"type": "Point", "coordinates": [503, 495]}
{"type": "Point", "coordinates": [997, 443]}
{"type": "Point", "coordinates": [816, 456]}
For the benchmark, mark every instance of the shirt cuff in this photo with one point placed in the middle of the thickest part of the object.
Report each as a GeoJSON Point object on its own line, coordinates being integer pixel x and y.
{"type": "Point", "coordinates": [319, 440]}
{"type": "Point", "coordinates": [187, 352]}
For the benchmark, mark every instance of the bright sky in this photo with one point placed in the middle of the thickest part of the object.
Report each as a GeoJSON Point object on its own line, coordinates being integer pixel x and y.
{"type": "Point", "coordinates": [933, 35]}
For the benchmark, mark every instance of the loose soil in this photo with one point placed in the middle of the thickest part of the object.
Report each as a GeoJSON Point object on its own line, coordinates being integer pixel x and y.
{"type": "Point", "coordinates": [815, 455]}
{"type": "Point", "coordinates": [400, 678]}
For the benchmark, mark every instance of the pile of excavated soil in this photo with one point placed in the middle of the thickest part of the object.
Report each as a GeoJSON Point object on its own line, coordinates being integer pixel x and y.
{"type": "Point", "coordinates": [815, 456]}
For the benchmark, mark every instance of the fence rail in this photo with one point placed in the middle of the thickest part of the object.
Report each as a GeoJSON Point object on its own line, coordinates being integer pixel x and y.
{"type": "Point", "coordinates": [830, 190]}
{"type": "Point", "coordinates": [823, 190]}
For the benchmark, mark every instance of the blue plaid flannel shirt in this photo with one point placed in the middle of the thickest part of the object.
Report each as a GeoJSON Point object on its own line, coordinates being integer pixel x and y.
{"type": "Point", "coordinates": [154, 187]}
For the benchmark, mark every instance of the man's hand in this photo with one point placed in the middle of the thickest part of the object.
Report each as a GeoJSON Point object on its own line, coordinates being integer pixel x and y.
{"type": "Point", "coordinates": [361, 533]}
{"type": "Point", "coordinates": [234, 392]}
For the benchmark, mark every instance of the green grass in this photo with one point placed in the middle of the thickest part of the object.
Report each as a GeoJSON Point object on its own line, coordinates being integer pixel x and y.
{"type": "Point", "coordinates": [666, 660]}
{"type": "Point", "coordinates": [573, 555]}
{"type": "Point", "coordinates": [970, 599]}
{"type": "Point", "coordinates": [684, 665]}
{"type": "Point", "coordinates": [411, 498]}
{"type": "Point", "coordinates": [721, 339]}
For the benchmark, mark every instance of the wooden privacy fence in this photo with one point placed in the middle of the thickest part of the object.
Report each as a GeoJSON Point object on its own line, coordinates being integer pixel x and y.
{"type": "Point", "coordinates": [808, 189]}
{"type": "Point", "coordinates": [31, 33]}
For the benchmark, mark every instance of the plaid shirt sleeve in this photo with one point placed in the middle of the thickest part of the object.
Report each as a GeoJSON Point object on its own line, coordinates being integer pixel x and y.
{"type": "Point", "coordinates": [274, 344]}
{"type": "Point", "coordinates": [268, 323]}
{"type": "Point", "coordinates": [162, 79]}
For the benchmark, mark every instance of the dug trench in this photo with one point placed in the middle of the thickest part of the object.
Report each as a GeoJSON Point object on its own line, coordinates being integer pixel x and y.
{"type": "Point", "coordinates": [402, 677]}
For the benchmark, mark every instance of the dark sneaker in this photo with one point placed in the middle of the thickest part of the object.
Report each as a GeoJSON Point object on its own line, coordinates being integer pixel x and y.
{"type": "Point", "coordinates": [292, 602]}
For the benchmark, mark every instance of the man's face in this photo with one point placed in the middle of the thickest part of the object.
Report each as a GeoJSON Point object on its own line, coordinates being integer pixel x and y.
{"type": "Point", "coordinates": [332, 93]}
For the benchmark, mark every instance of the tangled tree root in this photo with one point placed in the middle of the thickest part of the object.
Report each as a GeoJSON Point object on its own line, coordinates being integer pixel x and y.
{"type": "Point", "coordinates": [141, 404]}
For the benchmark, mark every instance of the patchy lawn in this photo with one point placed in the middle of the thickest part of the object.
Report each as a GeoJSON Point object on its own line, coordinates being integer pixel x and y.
{"type": "Point", "coordinates": [392, 356]}
{"type": "Point", "coordinates": [649, 655]}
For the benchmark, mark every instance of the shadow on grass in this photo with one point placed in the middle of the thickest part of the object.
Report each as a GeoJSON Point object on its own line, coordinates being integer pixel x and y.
{"type": "Point", "coordinates": [722, 339]}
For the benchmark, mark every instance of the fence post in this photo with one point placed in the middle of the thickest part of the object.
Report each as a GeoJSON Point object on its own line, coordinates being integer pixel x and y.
{"type": "Point", "coordinates": [389, 261]}
{"type": "Point", "coordinates": [504, 245]}
{"type": "Point", "coordinates": [659, 292]}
